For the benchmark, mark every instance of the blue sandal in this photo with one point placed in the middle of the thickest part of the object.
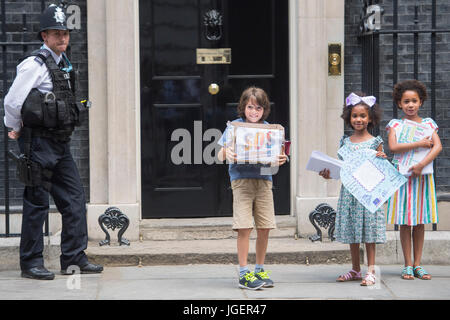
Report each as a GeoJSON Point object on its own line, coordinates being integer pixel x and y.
{"type": "Point", "coordinates": [407, 273]}
{"type": "Point", "coordinates": [420, 273]}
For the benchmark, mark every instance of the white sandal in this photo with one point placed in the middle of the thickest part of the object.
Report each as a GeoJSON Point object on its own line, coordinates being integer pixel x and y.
{"type": "Point", "coordinates": [369, 279]}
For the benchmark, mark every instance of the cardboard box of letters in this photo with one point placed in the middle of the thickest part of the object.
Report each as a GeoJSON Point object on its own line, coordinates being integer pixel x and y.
{"type": "Point", "coordinates": [255, 142]}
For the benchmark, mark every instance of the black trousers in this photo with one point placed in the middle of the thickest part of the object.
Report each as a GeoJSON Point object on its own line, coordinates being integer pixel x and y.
{"type": "Point", "coordinates": [68, 195]}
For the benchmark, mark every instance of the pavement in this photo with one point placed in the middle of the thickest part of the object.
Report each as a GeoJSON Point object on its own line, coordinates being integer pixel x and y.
{"type": "Point", "coordinates": [219, 282]}
{"type": "Point", "coordinates": [178, 269]}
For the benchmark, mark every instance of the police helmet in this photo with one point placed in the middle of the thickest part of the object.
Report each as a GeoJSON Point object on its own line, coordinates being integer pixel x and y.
{"type": "Point", "coordinates": [54, 18]}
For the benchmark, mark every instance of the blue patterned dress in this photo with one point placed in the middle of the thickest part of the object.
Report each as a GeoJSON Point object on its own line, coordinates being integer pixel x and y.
{"type": "Point", "coordinates": [354, 223]}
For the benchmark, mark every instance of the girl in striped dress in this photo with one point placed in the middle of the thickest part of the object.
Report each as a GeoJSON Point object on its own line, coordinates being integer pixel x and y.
{"type": "Point", "coordinates": [414, 204]}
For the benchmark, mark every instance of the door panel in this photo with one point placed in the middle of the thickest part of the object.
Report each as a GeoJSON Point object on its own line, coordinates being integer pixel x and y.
{"type": "Point", "coordinates": [174, 96]}
{"type": "Point", "coordinates": [250, 36]}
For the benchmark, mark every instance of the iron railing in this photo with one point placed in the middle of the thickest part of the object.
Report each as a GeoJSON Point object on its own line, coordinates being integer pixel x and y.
{"type": "Point", "coordinates": [5, 44]}
{"type": "Point", "coordinates": [370, 40]}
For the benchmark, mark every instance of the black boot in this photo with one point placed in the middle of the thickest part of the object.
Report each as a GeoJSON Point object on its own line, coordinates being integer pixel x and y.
{"type": "Point", "coordinates": [87, 268]}
{"type": "Point", "coordinates": [38, 273]}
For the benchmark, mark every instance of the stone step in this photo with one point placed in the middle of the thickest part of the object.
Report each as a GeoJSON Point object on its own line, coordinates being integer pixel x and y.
{"type": "Point", "coordinates": [184, 252]}
{"type": "Point", "coordinates": [219, 251]}
{"type": "Point", "coordinates": [206, 229]}
{"type": "Point", "coordinates": [181, 252]}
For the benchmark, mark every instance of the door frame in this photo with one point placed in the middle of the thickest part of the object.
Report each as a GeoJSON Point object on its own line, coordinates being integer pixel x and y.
{"type": "Point", "coordinates": [286, 100]}
{"type": "Point", "coordinates": [293, 7]}
{"type": "Point", "coordinates": [107, 21]}
{"type": "Point", "coordinates": [293, 98]}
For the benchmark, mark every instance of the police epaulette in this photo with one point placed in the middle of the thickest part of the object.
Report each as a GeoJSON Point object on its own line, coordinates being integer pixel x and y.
{"type": "Point", "coordinates": [41, 55]}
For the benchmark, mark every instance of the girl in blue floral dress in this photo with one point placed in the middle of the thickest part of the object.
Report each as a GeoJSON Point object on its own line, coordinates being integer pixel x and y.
{"type": "Point", "coordinates": [354, 223]}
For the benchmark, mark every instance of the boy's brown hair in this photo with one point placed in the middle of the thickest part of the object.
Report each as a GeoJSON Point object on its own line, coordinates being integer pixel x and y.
{"type": "Point", "coordinates": [261, 98]}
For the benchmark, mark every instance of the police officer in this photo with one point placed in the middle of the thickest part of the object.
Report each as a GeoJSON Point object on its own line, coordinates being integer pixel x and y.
{"type": "Point", "coordinates": [42, 112]}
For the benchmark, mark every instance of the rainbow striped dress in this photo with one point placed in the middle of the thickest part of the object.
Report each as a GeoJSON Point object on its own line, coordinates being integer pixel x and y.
{"type": "Point", "coordinates": [415, 202]}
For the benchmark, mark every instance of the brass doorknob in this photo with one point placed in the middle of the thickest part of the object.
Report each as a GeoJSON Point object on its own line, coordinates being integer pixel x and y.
{"type": "Point", "coordinates": [213, 88]}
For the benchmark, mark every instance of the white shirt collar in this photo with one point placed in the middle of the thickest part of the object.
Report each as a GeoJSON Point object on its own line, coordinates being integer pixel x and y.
{"type": "Point", "coordinates": [54, 55]}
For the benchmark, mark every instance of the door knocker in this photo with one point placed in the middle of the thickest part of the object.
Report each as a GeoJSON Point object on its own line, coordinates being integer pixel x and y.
{"type": "Point", "coordinates": [212, 20]}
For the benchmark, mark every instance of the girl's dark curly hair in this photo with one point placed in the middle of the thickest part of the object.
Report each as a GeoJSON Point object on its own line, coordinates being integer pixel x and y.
{"type": "Point", "coordinates": [409, 85]}
{"type": "Point", "coordinates": [375, 112]}
{"type": "Point", "coordinates": [261, 98]}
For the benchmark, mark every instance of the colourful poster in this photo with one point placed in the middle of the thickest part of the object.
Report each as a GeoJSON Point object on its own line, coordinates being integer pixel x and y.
{"type": "Point", "coordinates": [256, 143]}
{"type": "Point", "coordinates": [371, 180]}
{"type": "Point", "coordinates": [411, 131]}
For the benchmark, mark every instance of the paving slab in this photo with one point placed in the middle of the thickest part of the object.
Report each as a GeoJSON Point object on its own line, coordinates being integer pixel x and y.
{"type": "Point", "coordinates": [13, 287]}
{"type": "Point", "coordinates": [219, 282]}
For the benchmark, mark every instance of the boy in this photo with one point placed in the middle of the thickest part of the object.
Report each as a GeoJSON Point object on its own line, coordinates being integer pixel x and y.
{"type": "Point", "coordinates": [252, 194]}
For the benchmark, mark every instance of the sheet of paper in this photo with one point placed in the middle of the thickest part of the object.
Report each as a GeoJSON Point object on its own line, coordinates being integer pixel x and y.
{"type": "Point", "coordinates": [411, 158]}
{"type": "Point", "coordinates": [412, 131]}
{"type": "Point", "coordinates": [319, 161]}
{"type": "Point", "coordinates": [409, 132]}
{"type": "Point", "coordinates": [371, 180]}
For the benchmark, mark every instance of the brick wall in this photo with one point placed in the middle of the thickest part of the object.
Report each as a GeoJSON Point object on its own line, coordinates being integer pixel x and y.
{"type": "Point", "coordinates": [353, 65]}
{"type": "Point", "coordinates": [77, 52]}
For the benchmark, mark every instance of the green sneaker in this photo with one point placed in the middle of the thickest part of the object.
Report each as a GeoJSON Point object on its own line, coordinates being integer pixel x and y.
{"type": "Point", "coordinates": [249, 281]}
{"type": "Point", "coordinates": [264, 276]}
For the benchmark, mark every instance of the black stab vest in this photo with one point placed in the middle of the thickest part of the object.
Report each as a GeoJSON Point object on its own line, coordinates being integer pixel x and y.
{"type": "Point", "coordinates": [57, 114]}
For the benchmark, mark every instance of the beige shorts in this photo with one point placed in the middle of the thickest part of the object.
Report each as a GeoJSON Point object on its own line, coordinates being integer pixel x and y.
{"type": "Point", "coordinates": [253, 200]}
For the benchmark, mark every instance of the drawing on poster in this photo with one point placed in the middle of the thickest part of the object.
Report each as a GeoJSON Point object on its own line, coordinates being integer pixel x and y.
{"type": "Point", "coordinates": [368, 175]}
{"type": "Point", "coordinates": [256, 143]}
{"type": "Point", "coordinates": [411, 131]}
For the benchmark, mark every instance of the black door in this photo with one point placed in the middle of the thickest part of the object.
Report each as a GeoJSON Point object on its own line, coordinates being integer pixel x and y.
{"type": "Point", "coordinates": [177, 108]}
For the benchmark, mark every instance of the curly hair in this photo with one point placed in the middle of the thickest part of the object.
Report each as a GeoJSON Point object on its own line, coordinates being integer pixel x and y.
{"type": "Point", "coordinates": [375, 112]}
{"type": "Point", "coordinates": [261, 98]}
{"type": "Point", "coordinates": [409, 85]}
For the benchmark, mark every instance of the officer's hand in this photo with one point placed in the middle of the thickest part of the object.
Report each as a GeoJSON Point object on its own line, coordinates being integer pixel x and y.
{"type": "Point", "coordinates": [14, 135]}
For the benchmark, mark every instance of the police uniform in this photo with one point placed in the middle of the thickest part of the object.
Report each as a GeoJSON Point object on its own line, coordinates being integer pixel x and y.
{"type": "Point", "coordinates": [42, 98]}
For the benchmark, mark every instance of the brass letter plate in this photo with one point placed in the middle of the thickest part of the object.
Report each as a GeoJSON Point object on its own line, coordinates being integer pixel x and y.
{"type": "Point", "coordinates": [214, 56]}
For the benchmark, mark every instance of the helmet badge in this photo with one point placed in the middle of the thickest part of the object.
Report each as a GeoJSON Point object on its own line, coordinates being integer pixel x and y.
{"type": "Point", "coordinates": [60, 17]}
